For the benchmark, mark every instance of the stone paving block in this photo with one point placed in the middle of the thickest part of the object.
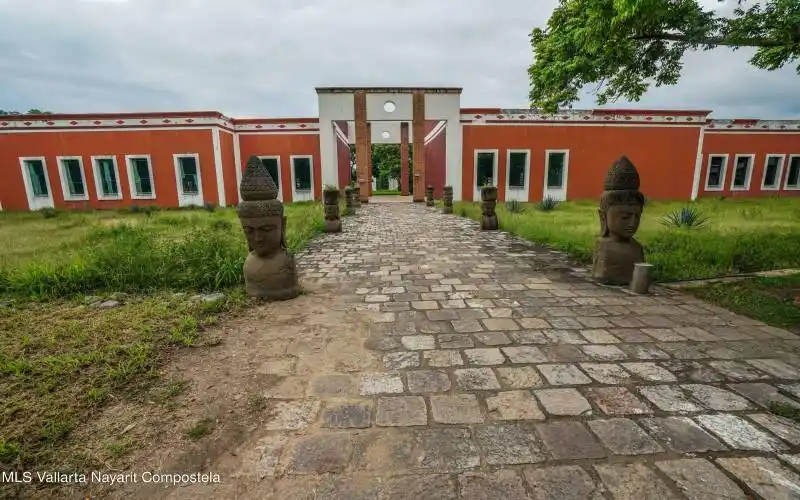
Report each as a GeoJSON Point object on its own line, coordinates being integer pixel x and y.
{"type": "Point", "coordinates": [529, 337]}
{"type": "Point", "coordinates": [454, 340]}
{"type": "Point", "coordinates": [563, 402]}
{"type": "Point", "coordinates": [379, 342]}
{"type": "Point", "coordinates": [533, 323]}
{"type": "Point", "coordinates": [476, 379]}
{"type": "Point", "coordinates": [737, 371]}
{"type": "Point", "coordinates": [524, 354]}
{"type": "Point", "coordinates": [442, 315]}
{"type": "Point", "coordinates": [606, 373]}
{"type": "Point", "coordinates": [423, 381]}
{"type": "Point", "coordinates": [634, 482]}
{"type": "Point", "coordinates": [566, 482]}
{"type": "Point", "coordinates": [765, 476]}
{"type": "Point", "coordinates": [696, 334]}
{"type": "Point", "coordinates": [502, 324]}
{"type": "Point", "coordinates": [348, 415]}
{"type": "Point", "coordinates": [446, 450]}
{"type": "Point", "coordinates": [791, 389]}
{"type": "Point", "coordinates": [564, 353]}
{"type": "Point", "coordinates": [377, 298]}
{"type": "Point", "coordinates": [336, 385]}
{"type": "Point", "coordinates": [492, 338]}
{"type": "Point", "coordinates": [401, 359]}
{"type": "Point", "coordinates": [501, 484]}
{"type": "Point", "coordinates": [563, 374]}
{"type": "Point", "coordinates": [564, 336]}
{"type": "Point", "coordinates": [691, 371]}
{"type": "Point", "coordinates": [292, 415]}
{"type": "Point", "coordinates": [520, 377]}
{"type": "Point", "coordinates": [663, 334]}
{"type": "Point", "coordinates": [715, 398]}
{"type": "Point", "coordinates": [484, 356]}
{"type": "Point", "coordinates": [389, 450]}
{"type": "Point", "coordinates": [629, 334]}
{"type": "Point", "coordinates": [569, 440]}
{"type": "Point", "coordinates": [650, 372]}
{"type": "Point", "coordinates": [739, 434]}
{"type": "Point", "coordinates": [762, 394]}
{"type": "Point", "coordinates": [593, 322]}
{"type": "Point", "coordinates": [776, 368]}
{"type": "Point", "coordinates": [418, 342]}
{"type": "Point", "coordinates": [401, 411]}
{"type": "Point", "coordinates": [320, 453]}
{"type": "Point", "coordinates": [784, 428]}
{"type": "Point", "coordinates": [456, 409]}
{"type": "Point", "coordinates": [603, 352]}
{"type": "Point", "coordinates": [598, 336]}
{"type": "Point", "coordinates": [643, 351]}
{"type": "Point", "coordinates": [699, 479]}
{"type": "Point", "coordinates": [508, 444]}
{"type": "Point", "coordinates": [682, 434]}
{"type": "Point", "coordinates": [617, 401]}
{"type": "Point", "coordinates": [669, 398]}
{"type": "Point", "coordinates": [466, 326]}
{"type": "Point", "coordinates": [454, 304]}
{"type": "Point", "coordinates": [380, 383]}
{"type": "Point", "coordinates": [424, 305]}
{"type": "Point", "coordinates": [623, 437]}
{"type": "Point", "coordinates": [514, 405]}
{"type": "Point", "coordinates": [443, 358]}
{"type": "Point", "coordinates": [472, 314]}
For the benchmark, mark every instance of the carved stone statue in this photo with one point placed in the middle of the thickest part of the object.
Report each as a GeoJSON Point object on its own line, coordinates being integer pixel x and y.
{"type": "Point", "coordinates": [447, 200]}
{"type": "Point", "coordinates": [349, 195]}
{"type": "Point", "coordinates": [489, 220]}
{"type": "Point", "coordinates": [429, 201]}
{"type": "Point", "coordinates": [621, 204]}
{"type": "Point", "coordinates": [269, 270]}
{"type": "Point", "coordinates": [330, 200]}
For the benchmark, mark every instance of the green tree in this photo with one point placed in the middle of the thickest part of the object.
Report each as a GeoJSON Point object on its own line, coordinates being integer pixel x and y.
{"type": "Point", "coordinates": [625, 46]}
{"type": "Point", "coordinates": [385, 161]}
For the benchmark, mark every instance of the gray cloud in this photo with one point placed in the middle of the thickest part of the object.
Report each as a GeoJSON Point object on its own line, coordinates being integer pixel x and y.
{"type": "Point", "coordinates": [264, 57]}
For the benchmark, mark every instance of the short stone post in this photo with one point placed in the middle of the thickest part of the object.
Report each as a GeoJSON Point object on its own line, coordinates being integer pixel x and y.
{"type": "Point", "coordinates": [429, 202]}
{"type": "Point", "coordinates": [447, 200]}
{"type": "Point", "coordinates": [330, 199]}
{"type": "Point", "coordinates": [642, 274]}
{"type": "Point", "coordinates": [489, 220]}
{"type": "Point", "coordinates": [348, 199]}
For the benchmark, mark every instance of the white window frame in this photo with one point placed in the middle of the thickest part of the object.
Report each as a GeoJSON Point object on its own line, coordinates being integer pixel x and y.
{"type": "Point", "coordinates": [786, 185]}
{"type": "Point", "coordinates": [62, 174]}
{"type": "Point", "coordinates": [746, 186]}
{"type": "Point", "coordinates": [280, 174]}
{"type": "Point", "coordinates": [132, 180]}
{"type": "Point", "coordinates": [722, 174]}
{"type": "Point", "coordinates": [778, 175]}
{"type": "Point", "coordinates": [98, 184]}
{"type": "Point", "coordinates": [292, 158]}
{"type": "Point", "coordinates": [527, 169]}
{"type": "Point", "coordinates": [547, 153]}
{"type": "Point", "coordinates": [183, 198]}
{"type": "Point", "coordinates": [476, 196]}
{"type": "Point", "coordinates": [36, 202]}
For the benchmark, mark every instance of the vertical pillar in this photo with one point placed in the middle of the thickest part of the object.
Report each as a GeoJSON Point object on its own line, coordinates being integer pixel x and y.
{"type": "Point", "coordinates": [418, 138]}
{"type": "Point", "coordinates": [362, 145]}
{"type": "Point", "coordinates": [369, 158]}
{"type": "Point", "coordinates": [404, 158]}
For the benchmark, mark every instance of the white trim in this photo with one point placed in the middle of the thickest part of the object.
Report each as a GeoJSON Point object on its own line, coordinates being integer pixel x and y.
{"type": "Point", "coordinates": [36, 202]}
{"type": "Point", "coordinates": [215, 143]}
{"type": "Point", "coordinates": [546, 191]}
{"type": "Point", "coordinates": [184, 199]}
{"type": "Point", "coordinates": [237, 159]}
{"type": "Point", "coordinates": [786, 185]}
{"type": "Point", "coordinates": [310, 195]}
{"type": "Point", "coordinates": [98, 184]}
{"type": "Point", "coordinates": [476, 189]}
{"type": "Point", "coordinates": [279, 181]}
{"type": "Point", "coordinates": [281, 132]}
{"type": "Point", "coordinates": [751, 164]}
{"type": "Point", "coordinates": [521, 192]}
{"type": "Point", "coordinates": [698, 165]}
{"type": "Point", "coordinates": [583, 124]}
{"type": "Point", "coordinates": [723, 174]}
{"type": "Point", "coordinates": [62, 174]}
{"type": "Point", "coordinates": [588, 116]}
{"type": "Point", "coordinates": [778, 174]}
{"type": "Point", "coordinates": [435, 131]}
{"type": "Point", "coordinates": [131, 178]}
{"type": "Point", "coordinates": [753, 132]}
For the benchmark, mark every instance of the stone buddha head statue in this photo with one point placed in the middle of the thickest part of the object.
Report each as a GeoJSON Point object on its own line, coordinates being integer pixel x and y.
{"type": "Point", "coordinates": [621, 203]}
{"type": "Point", "coordinates": [260, 211]}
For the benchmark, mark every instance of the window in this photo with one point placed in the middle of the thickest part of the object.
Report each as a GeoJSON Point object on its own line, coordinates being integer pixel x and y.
{"type": "Point", "coordinates": [793, 176]}
{"type": "Point", "coordinates": [773, 170]}
{"type": "Point", "coordinates": [743, 167]}
{"type": "Point", "coordinates": [37, 177]}
{"type": "Point", "coordinates": [72, 178]}
{"type": "Point", "coordinates": [715, 176]}
{"type": "Point", "coordinates": [484, 167]}
{"type": "Point", "coordinates": [106, 177]}
{"type": "Point", "coordinates": [190, 183]}
{"type": "Point", "coordinates": [556, 166]}
{"type": "Point", "coordinates": [272, 164]}
{"type": "Point", "coordinates": [302, 173]}
{"type": "Point", "coordinates": [140, 176]}
{"type": "Point", "coordinates": [517, 165]}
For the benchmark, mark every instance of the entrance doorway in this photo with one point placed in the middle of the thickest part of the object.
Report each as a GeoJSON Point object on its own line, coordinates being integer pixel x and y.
{"type": "Point", "coordinates": [485, 171]}
{"type": "Point", "coordinates": [556, 168]}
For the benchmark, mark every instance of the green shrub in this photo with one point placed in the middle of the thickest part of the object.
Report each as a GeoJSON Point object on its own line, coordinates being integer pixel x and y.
{"type": "Point", "coordinates": [548, 203]}
{"type": "Point", "coordinates": [49, 213]}
{"type": "Point", "coordinates": [688, 217]}
{"type": "Point", "coordinates": [515, 207]}
{"type": "Point", "coordinates": [209, 206]}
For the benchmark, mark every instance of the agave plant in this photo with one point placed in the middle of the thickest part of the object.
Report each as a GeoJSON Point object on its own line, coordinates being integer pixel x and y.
{"type": "Point", "coordinates": [515, 206]}
{"type": "Point", "coordinates": [548, 203]}
{"type": "Point", "coordinates": [688, 217]}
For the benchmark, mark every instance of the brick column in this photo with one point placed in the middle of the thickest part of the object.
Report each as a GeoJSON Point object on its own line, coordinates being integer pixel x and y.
{"type": "Point", "coordinates": [362, 144]}
{"type": "Point", "coordinates": [404, 158]}
{"type": "Point", "coordinates": [418, 136]}
{"type": "Point", "coordinates": [369, 159]}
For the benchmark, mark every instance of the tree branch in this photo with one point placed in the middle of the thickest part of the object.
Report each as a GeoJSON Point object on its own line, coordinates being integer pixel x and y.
{"type": "Point", "coordinates": [739, 42]}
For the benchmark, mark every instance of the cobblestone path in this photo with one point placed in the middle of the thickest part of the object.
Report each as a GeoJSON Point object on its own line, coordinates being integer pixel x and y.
{"type": "Point", "coordinates": [508, 374]}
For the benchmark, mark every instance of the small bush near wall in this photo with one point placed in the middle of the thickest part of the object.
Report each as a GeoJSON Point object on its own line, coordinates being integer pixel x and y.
{"type": "Point", "coordinates": [739, 235]}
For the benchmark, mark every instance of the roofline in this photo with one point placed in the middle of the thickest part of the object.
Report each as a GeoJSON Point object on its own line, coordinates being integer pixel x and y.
{"type": "Point", "coordinates": [387, 90]}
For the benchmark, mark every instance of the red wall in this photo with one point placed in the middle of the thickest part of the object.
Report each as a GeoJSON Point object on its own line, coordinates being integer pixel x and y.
{"type": "Point", "coordinates": [757, 143]}
{"type": "Point", "coordinates": [343, 157]}
{"type": "Point", "coordinates": [436, 160]}
{"type": "Point", "coordinates": [284, 145]}
{"type": "Point", "coordinates": [228, 168]}
{"type": "Point", "coordinates": [664, 155]}
{"type": "Point", "coordinates": [159, 144]}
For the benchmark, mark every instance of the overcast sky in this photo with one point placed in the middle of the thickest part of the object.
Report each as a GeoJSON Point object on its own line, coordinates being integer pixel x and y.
{"type": "Point", "coordinates": [264, 57]}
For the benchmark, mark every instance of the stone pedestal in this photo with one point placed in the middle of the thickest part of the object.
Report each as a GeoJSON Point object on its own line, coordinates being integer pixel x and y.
{"type": "Point", "coordinates": [447, 200]}
{"type": "Point", "coordinates": [429, 201]}
{"type": "Point", "coordinates": [330, 200]}
{"type": "Point", "coordinates": [349, 194]}
{"type": "Point", "coordinates": [642, 276]}
{"type": "Point", "coordinates": [489, 220]}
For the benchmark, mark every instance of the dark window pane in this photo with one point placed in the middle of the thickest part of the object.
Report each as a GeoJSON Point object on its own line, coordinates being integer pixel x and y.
{"type": "Point", "coordinates": [141, 173]}
{"type": "Point", "coordinates": [742, 169]}
{"type": "Point", "coordinates": [555, 170]}
{"type": "Point", "coordinates": [771, 174]}
{"type": "Point", "coordinates": [108, 177]}
{"type": "Point", "coordinates": [715, 171]}
{"type": "Point", "coordinates": [72, 169]}
{"type": "Point", "coordinates": [302, 174]}
{"type": "Point", "coordinates": [189, 182]}
{"type": "Point", "coordinates": [271, 165]}
{"type": "Point", "coordinates": [516, 169]}
{"type": "Point", "coordinates": [485, 169]}
{"type": "Point", "coordinates": [793, 178]}
{"type": "Point", "coordinates": [37, 177]}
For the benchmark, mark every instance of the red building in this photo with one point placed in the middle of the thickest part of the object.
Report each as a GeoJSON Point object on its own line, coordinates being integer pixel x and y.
{"type": "Point", "coordinates": [190, 158]}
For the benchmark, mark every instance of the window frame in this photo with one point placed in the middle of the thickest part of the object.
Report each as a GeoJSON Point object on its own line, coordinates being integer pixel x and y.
{"type": "Point", "coordinates": [36, 202]}
{"type": "Point", "coordinates": [547, 154]}
{"type": "Point", "coordinates": [748, 178]}
{"type": "Point", "coordinates": [723, 175]}
{"type": "Point", "coordinates": [778, 174]}
{"type": "Point", "coordinates": [292, 159]}
{"type": "Point", "coordinates": [98, 183]}
{"type": "Point", "coordinates": [526, 169]}
{"type": "Point", "coordinates": [280, 173]}
{"type": "Point", "coordinates": [132, 179]}
{"type": "Point", "coordinates": [786, 186]}
{"type": "Point", "coordinates": [495, 166]}
{"type": "Point", "coordinates": [64, 178]}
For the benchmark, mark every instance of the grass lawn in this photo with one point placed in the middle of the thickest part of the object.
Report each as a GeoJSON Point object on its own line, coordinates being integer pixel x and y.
{"type": "Point", "coordinates": [385, 192]}
{"type": "Point", "coordinates": [740, 235]}
{"type": "Point", "coordinates": [61, 358]}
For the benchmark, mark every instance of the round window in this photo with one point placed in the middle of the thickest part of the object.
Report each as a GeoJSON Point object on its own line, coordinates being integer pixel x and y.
{"type": "Point", "coordinates": [389, 106]}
